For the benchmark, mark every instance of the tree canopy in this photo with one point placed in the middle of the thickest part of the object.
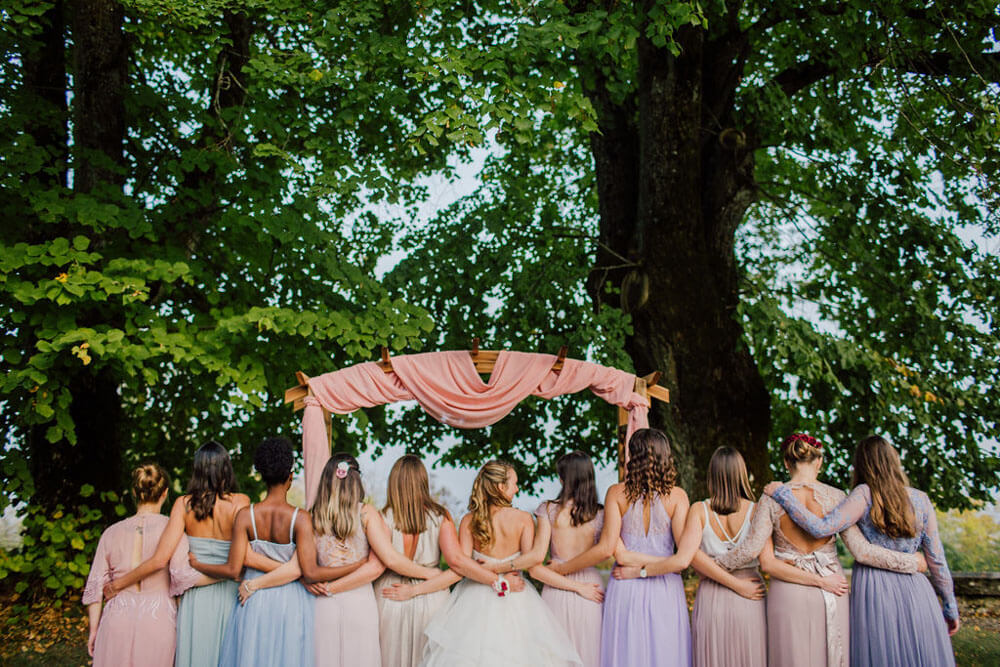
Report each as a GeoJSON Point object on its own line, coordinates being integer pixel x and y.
{"type": "Point", "coordinates": [786, 207]}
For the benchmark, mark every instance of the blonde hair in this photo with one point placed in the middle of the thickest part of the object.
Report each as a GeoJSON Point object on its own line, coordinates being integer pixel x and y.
{"type": "Point", "coordinates": [651, 468]}
{"type": "Point", "coordinates": [149, 481]}
{"type": "Point", "coordinates": [335, 510]}
{"type": "Point", "coordinates": [801, 448]}
{"type": "Point", "coordinates": [876, 463]}
{"type": "Point", "coordinates": [727, 481]}
{"type": "Point", "coordinates": [408, 495]}
{"type": "Point", "coordinates": [485, 495]}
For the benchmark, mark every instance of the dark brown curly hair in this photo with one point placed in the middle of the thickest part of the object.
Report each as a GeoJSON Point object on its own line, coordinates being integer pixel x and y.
{"type": "Point", "coordinates": [650, 468]}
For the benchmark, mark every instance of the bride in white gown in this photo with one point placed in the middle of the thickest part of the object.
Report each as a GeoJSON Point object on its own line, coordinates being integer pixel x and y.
{"type": "Point", "coordinates": [481, 625]}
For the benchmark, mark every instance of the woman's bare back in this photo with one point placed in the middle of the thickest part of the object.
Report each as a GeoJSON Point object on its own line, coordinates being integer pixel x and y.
{"type": "Point", "coordinates": [797, 537]}
{"type": "Point", "coordinates": [509, 526]}
{"type": "Point", "coordinates": [219, 526]}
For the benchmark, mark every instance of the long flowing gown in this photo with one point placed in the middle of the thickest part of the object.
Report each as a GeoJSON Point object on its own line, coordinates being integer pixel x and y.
{"type": "Point", "coordinates": [646, 620]}
{"type": "Point", "coordinates": [478, 628]}
{"type": "Point", "coordinates": [581, 618]}
{"type": "Point", "coordinates": [347, 622]}
{"type": "Point", "coordinates": [894, 616]}
{"type": "Point", "coordinates": [402, 622]}
{"type": "Point", "coordinates": [275, 626]}
{"type": "Point", "coordinates": [203, 612]}
{"type": "Point", "coordinates": [137, 626]}
{"type": "Point", "coordinates": [727, 628]}
{"type": "Point", "coordinates": [807, 625]}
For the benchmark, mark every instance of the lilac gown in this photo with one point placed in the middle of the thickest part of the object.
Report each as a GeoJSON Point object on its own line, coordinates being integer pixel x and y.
{"type": "Point", "coordinates": [895, 618]}
{"type": "Point", "coordinates": [646, 620]}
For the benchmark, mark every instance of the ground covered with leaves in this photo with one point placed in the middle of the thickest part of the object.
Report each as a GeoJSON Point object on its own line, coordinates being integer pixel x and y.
{"type": "Point", "coordinates": [55, 632]}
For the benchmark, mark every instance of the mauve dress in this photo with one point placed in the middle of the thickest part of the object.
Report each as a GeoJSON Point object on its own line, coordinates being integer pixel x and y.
{"type": "Point", "coordinates": [805, 624]}
{"type": "Point", "coordinates": [580, 617]}
{"type": "Point", "coordinates": [895, 617]}
{"type": "Point", "coordinates": [346, 624]}
{"type": "Point", "coordinates": [402, 622]}
{"type": "Point", "coordinates": [137, 627]}
{"type": "Point", "coordinates": [646, 620]}
{"type": "Point", "coordinates": [726, 628]}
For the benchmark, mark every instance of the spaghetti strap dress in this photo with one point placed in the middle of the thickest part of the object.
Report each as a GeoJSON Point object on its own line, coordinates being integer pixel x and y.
{"type": "Point", "coordinates": [727, 628]}
{"type": "Point", "coordinates": [646, 620]}
{"type": "Point", "coordinates": [275, 626]}
{"type": "Point", "coordinates": [203, 611]}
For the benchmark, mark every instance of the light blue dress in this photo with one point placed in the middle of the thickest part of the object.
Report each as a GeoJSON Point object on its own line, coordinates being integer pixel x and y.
{"type": "Point", "coordinates": [275, 626]}
{"type": "Point", "coordinates": [203, 612]}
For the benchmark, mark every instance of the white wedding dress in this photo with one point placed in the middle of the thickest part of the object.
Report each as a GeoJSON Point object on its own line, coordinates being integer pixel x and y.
{"type": "Point", "coordinates": [478, 628]}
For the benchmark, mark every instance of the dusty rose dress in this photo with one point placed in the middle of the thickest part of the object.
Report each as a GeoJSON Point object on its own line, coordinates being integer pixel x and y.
{"type": "Point", "coordinates": [138, 625]}
{"type": "Point", "coordinates": [805, 624]}
{"type": "Point", "coordinates": [581, 618]}
{"type": "Point", "coordinates": [346, 624]}
{"type": "Point", "coordinates": [727, 628]}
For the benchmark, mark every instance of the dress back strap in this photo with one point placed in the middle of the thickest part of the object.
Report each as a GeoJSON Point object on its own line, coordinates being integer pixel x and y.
{"type": "Point", "coordinates": [253, 522]}
{"type": "Point", "coordinates": [291, 529]}
{"type": "Point", "coordinates": [725, 533]}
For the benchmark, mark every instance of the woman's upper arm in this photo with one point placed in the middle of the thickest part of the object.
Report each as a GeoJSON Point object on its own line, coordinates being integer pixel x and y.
{"type": "Point", "coordinates": [465, 534]}
{"type": "Point", "coordinates": [171, 536]}
{"type": "Point", "coordinates": [678, 516]}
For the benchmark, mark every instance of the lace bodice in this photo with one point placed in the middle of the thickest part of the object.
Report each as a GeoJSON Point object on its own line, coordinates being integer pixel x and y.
{"type": "Point", "coordinates": [766, 523]}
{"type": "Point", "coordinates": [855, 509]}
{"type": "Point", "coordinates": [428, 550]}
{"type": "Point", "coordinates": [550, 510]}
{"type": "Point", "coordinates": [659, 540]}
{"type": "Point", "coordinates": [333, 552]}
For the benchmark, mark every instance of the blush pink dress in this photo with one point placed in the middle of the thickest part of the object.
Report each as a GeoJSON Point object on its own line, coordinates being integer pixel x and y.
{"type": "Point", "coordinates": [138, 625]}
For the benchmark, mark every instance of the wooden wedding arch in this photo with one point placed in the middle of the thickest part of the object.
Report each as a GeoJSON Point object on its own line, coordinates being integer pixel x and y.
{"type": "Point", "coordinates": [484, 361]}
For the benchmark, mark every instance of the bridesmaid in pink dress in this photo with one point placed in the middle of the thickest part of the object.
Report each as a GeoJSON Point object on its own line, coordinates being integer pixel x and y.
{"type": "Point", "coordinates": [137, 626]}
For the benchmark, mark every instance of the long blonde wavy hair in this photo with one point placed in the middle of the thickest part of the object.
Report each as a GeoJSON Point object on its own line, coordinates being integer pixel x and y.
{"type": "Point", "coordinates": [486, 494]}
{"type": "Point", "coordinates": [335, 510]}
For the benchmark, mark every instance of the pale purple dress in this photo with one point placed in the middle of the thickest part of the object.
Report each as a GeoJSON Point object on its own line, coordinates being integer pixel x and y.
{"type": "Point", "coordinates": [895, 618]}
{"type": "Point", "coordinates": [646, 620]}
{"type": "Point", "coordinates": [580, 617]}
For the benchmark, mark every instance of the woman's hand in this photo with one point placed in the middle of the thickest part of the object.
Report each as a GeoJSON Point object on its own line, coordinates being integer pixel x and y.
{"type": "Point", "coordinates": [111, 589]}
{"type": "Point", "coordinates": [625, 572]}
{"type": "Point", "coordinates": [92, 641]}
{"type": "Point", "coordinates": [921, 562]}
{"type": "Point", "coordinates": [834, 583]}
{"type": "Point", "coordinates": [751, 589]}
{"type": "Point", "coordinates": [557, 567]}
{"type": "Point", "coordinates": [772, 487]}
{"type": "Point", "coordinates": [515, 581]}
{"type": "Point", "coordinates": [246, 590]}
{"type": "Point", "coordinates": [318, 589]}
{"type": "Point", "coordinates": [398, 591]}
{"type": "Point", "coordinates": [953, 626]}
{"type": "Point", "coordinates": [592, 592]}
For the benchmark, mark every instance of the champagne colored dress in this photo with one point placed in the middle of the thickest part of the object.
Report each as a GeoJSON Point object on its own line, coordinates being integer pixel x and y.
{"type": "Point", "coordinates": [402, 622]}
{"type": "Point", "coordinates": [137, 626]}
{"type": "Point", "coordinates": [346, 625]}
{"type": "Point", "coordinates": [807, 625]}
{"type": "Point", "coordinates": [726, 628]}
{"type": "Point", "coordinates": [895, 619]}
{"type": "Point", "coordinates": [581, 618]}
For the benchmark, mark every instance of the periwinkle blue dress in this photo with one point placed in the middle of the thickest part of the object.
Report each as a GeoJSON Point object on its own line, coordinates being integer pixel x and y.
{"type": "Point", "coordinates": [204, 611]}
{"type": "Point", "coordinates": [275, 626]}
{"type": "Point", "coordinates": [895, 617]}
{"type": "Point", "coordinates": [646, 620]}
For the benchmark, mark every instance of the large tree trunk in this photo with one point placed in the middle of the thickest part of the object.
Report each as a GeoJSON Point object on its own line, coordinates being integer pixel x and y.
{"type": "Point", "coordinates": [673, 185]}
{"type": "Point", "coordinates": [100, 59]}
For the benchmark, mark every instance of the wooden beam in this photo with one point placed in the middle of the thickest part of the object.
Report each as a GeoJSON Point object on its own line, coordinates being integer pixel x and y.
{"type": "Point", "coordinates": [652, 378]}
{"type": "Point", "coordinates": [659, 393]}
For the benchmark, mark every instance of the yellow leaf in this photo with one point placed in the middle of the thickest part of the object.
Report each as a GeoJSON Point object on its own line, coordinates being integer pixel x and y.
{"type": "Point", "coordinates": [914, 390]}
{"type": "Point", "coordinates": [62, 277]}
{"type": "Point", "coordinates": [559, 84]}
{"type": "Point", "coordinates": [315, 75]}
{"type": "Point", "coordinates": [930, 398]}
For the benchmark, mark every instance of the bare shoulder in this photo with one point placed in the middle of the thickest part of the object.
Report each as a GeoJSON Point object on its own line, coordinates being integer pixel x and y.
{"type": "Point", "coordinates": [677, 499]}
{"type": "Point", "coordinates": [181, 504]}
{"type": "Point", "coordinates": [616, 493]}
{"type": "Point", "coordinates": [240, 500]}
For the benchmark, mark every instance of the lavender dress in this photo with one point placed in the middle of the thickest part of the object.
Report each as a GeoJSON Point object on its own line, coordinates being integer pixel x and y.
{"type": "Point", "coordinates": [646, 620]}
{"type": "Point", "coordinates": [894, 616]}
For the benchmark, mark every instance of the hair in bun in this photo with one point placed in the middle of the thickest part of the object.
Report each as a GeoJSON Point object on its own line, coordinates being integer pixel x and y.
{"type": "Point", "coordinates": [149, 481]}
{"type": "Point", "coordinates": [801, 448]}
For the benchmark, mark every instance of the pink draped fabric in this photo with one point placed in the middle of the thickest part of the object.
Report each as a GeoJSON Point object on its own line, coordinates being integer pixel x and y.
{"type": "Point", "coordinates": [449, 389]}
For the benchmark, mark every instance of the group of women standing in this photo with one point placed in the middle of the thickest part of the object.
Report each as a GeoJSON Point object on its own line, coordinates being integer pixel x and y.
{"type": "Point", "coordinates": [307, 593]}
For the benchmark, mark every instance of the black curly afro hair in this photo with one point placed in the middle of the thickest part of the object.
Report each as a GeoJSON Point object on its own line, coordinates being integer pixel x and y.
{"type": "Point", "coordinates": [273, 460]}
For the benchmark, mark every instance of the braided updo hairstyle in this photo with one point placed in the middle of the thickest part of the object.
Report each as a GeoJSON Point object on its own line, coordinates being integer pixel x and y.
{"type": "Point", "coordinates": [801, 448]}
{"type": "Point", "coordinates": [650, 468]}
{"type": "Point", "coordinates": [149, 481]}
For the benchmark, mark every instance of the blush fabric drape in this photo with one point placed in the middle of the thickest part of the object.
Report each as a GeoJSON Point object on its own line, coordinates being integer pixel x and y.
{"type": "Point", "coordinates": [447, 387]}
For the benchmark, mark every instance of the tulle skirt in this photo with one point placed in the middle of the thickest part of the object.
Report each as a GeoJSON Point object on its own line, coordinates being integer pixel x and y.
{"type": "Point", "coordinates": [478, 628]}
{"type": "Point", "coordinates": [896, 620]}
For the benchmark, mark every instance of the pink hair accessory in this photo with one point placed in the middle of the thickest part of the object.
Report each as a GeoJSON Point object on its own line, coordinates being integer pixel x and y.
{"type": "Point", "coordinates": [342, 469]}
